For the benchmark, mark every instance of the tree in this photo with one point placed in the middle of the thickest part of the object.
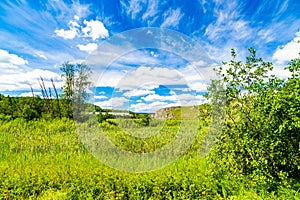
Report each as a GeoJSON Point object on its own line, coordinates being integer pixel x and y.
{"type": "Point", "coordinates": [69, 76]}
{"type": "Point", "coordinates": [76, 81]}
{"type": "Point", "coordinates": [260, 135]}
{"type": "Point", "coordinates": [82, 82]}
{"type": "Point", "coordinates": [75, 88]}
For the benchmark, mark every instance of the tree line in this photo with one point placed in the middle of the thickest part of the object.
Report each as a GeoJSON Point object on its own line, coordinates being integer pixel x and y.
{"type": "Point", "coordinates": [71, 103]}
{"type": "Point", "coordinates": [50, 104]}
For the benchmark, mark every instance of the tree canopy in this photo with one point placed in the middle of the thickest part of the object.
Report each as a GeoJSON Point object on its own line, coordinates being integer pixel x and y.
{"type": "Point", "coordinates": [260, 137]}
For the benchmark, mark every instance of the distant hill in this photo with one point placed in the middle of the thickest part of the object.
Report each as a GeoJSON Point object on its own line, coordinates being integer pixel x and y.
{"type": "Point", "coordinates": [179, 112]}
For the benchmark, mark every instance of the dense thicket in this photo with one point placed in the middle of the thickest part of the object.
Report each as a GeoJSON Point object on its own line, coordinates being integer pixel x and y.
{"type": "Point", "coordinates": [261, 133]}
{"type": "Point", "coordinates": [31, 108]}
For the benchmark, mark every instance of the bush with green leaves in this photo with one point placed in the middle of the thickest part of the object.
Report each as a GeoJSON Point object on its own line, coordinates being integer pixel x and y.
{"type": "Point", "coordinates": [261, 132]}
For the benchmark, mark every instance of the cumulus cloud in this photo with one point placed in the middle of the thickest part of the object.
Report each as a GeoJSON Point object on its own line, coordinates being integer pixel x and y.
{"type": "Point", "coordinates": [16, 75]}
{"type": "Point", "coordinates": [149, 75]}
{"type": "Point", "coordinates": [11, 63]}
{"type": "Point", "coordinates": [90, 47]}
{"type": "Point", "coordinates": [113, 103]}
{"type": "Point", "coordinates": [6, 57]}
{"type": "Point", "coordinates": [288, 51]}
{"type": "Point", "coordinates": [108, 78]}
{"type": "Point", "coordinates": [93, 29]}
{"type": "Point", "coordinates": [21, 80]}
{"type": "Point", "coordinates": [194, 75]}
{"type": "Point", "coordinates": [189, 99]}
{"type": "Point", "coordinates": [198, 75]}
{"type": "Point", "coordinates": [71, 33]}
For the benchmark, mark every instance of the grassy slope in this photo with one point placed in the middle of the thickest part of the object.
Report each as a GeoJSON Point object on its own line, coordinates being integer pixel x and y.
{"type": "Point", "coordinates": [184, 112]}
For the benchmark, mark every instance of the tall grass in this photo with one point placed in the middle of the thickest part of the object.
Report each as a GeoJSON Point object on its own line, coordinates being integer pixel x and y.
{"type": "Point", "coordinates": [47, 160]}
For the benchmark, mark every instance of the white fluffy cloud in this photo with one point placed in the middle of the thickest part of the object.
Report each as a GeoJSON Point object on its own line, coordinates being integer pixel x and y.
{"type": "Point", "coordinates": [22, 80]}
{"type": "Point", "coordinates": [189, 99]}
{"type": "Point", "coordinates": [90, 47]}
{"type": "Point", "coordinates": [198, 75]}
{"type": "Point", "coordinates": [16, 75]}
{"type": "Point", "coordinates": [287, 52]}
{"type": "Point", "coordinates": [93, 29]}
{"type": "Point", "coordinates": [10, 63]}
{"type": "Point", "coordinates": [12, 59]}
{"type": "Point", "coordinates": [114, 103]}
{"type": "Point", "coordinates": [108, 78]}
{"type": "Point", "coordinates": [149, 75]}
{"type": "Point", "coordinates": [142, 77]}
{"type": "Point", "coordinates": [71, 33]}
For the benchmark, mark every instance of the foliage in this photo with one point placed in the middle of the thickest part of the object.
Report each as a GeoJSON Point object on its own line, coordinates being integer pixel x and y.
{"type": "Point", "coordinates": [44, 159]}
{"type": "Point", "coordinates": [141, 119]}
{"type": "Point", "coordinates": [260, 136]}
{"type": "Point", "coordinates": [69, 76]}
{"type": "Point", "coordinates": [104, 117]}
{"type": "Point", "coordinates": [31, 108]}
{"type": "Point", "coordinates": [76, 81]}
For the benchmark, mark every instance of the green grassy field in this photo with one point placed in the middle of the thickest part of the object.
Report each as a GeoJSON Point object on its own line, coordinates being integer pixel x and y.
{"type": "Point", "coordinates": [45, 159]}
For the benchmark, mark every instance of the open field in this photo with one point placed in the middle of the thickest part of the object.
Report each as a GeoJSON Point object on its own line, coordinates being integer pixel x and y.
{"type": "Point", "coordinates": [46, 160]}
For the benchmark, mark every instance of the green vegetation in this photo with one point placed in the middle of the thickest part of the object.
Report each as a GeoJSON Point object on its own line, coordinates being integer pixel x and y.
{"type": "Point", "coordinates": [260, 137]}
{"type": "Point", "coordinates": [257, 155]}
{"type": "Point", "coordinates": [31, 108]}
{"type": "Point", "coordinates": [185, 112]}
{"type": "Point", "coordinates": [76, 81]}
{"type": "Point", "coordinates": [45, 159]}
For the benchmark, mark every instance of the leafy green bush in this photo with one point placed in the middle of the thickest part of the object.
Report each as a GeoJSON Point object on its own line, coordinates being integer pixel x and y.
{"type": "Point", "coordinates": [260, 137]}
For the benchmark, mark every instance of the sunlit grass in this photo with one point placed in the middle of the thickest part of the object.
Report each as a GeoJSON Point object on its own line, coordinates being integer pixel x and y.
{"type": "Point", "coordinates": [47, 160]}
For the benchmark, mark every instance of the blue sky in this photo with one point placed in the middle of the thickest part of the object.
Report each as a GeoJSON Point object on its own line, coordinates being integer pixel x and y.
{"type": "Point", "coordinates": [36, 37]}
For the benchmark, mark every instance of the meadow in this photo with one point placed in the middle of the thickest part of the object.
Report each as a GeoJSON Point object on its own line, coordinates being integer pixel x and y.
{"type": "Point", "coordinates": [45, 159]}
